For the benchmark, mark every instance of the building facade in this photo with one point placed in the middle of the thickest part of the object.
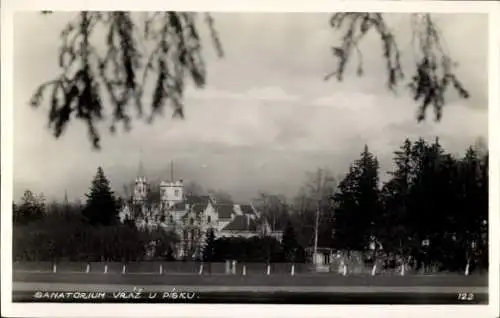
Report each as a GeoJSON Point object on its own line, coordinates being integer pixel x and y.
{"type": "Point", "coordinates": [190, 216]}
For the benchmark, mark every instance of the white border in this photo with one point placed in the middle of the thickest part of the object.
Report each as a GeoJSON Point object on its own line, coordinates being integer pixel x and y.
{"type": "Point", "coordinates": [159, 310]}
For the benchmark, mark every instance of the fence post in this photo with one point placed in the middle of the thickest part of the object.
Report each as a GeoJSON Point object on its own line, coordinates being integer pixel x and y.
{"type": "Point", "coordinates": [54, 268]}
{"type": "Point", "coordinates": [374, 269]}
{"type": "Point", "coordinates": [124, 269]}
{"type": "Point", "coordinates": [87, 270]}
{"type": "Point", "coordinates": [105, 269]}
{"type": "Point", "coordinates": [402, 269]}
{"type": "Point", "coordinates": [268, 269]}
{"type": "Point", "coordinates": [467, 268]}
{"type": "Point", "coordinates": [161, 269]}
{"type": "Point", "coordinates": [244, 272]}
{"type": "Point", "coordinates": [201, 269]}
{"type": "Point", "coordinates": [292, 272]}
{"type": "Point", "coordinates": [344, 272]}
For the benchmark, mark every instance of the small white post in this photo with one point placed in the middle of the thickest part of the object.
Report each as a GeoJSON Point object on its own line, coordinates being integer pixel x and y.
{"type": "Point", "coordinates": [467, 268]}
{"type": "Point", "coordinates": [403, 269]}
{"type": "Point", "coordinates": [54, 268]}
{"type": "Point", "coordinates": [244, 271]}
{"type": "Point", "coordinates": [292, 272]}
{"type": "Point", "coordinates": [105, 269]}
{"type": "Point", "coordinates": [201, 270]}
{"type": "Point", "coordinates": [161, 269]}
{"type": "Point", "coordinates": [345, 270]}
{"type": "Point", "coordinates": [268, 269]}
{"type": "Point", "coordinates": [374, 269]}
{"type": "Point", "coordinates": [124, 269]}
{"type": "Point", "coordinates": [233, 269]}
{"type": "Point", "coordinates": [87, 270]}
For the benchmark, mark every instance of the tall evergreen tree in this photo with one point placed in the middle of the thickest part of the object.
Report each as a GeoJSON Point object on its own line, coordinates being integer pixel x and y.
{"type": "Point", "coordinates": [102, 206]}
{"type": "Point", "coordinates": [473, 209]}
{"type": "Point", "coordinates": [394, 199]}
{"type": "Point", "coordinates": [289, 243]}
{"type": "Point", "coordinates": [358, 208]}
{"type": "Point", "coordinates": [424, 190]}
{"type": "Point", "coordinates": [368, 191]}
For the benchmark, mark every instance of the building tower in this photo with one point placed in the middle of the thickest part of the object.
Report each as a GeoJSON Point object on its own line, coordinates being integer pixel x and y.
{"type": "Point", "coordinates": [140, 186]}
{"type": "Point", "coordinates": [171, 192]}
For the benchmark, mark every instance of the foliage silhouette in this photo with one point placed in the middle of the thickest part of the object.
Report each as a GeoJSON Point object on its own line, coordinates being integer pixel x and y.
{"type": "Point", "coordinates": [89, 79]}
{"type": "Point", "coordinates": [434, 68]}
{"type": "Point", "coordinates": [102, 205]}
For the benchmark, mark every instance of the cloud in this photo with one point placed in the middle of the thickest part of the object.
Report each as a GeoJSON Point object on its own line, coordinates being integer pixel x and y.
{"type": "Point", "coordinates": [264, 118]}
{"type": "Point", "coordinates": [271, 93]}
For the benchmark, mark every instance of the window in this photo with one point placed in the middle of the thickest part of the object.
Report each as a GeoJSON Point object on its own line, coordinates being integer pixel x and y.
{"type": "Point", "coordinates": [171, 219]}
{"type": "Point", "coordinates": [176, 193]}
{"type": "Point", "coordinates": [209, 219]}
{"type": "Point", "coordinates": [191, 221]}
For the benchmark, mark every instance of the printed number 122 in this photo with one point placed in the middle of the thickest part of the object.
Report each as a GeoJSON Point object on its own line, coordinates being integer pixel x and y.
{"type": "Point", "coordinates": [465, 296]}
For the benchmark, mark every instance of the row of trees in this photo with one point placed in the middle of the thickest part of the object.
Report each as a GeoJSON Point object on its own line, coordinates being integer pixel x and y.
{"type": "Point", "coordinates": [92, 232]}
{"type": "Point", "coordinates": [433, 207]}
{"type": "Point", "coordinates": [264, 249]}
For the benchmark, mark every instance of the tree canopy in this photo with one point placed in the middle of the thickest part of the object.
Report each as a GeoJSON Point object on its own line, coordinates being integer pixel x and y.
{"type": "Point", "coordinates": [433, 207]}
{"type": "Point", "coordinates": [102, 205]}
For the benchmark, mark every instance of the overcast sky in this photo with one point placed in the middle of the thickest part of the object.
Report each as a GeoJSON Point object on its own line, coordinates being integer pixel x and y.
{"type": "Point", "coordinates": [266, 116]}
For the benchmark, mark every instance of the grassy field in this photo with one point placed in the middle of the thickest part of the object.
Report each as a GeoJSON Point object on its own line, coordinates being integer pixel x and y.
{"type": "Point", "coordinates": [319, 279]}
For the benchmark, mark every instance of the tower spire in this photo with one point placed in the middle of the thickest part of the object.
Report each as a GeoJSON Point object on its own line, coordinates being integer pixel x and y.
{"type": "Point", "coordinates": [171, 171]}
{"type": "Point", "coordinates": [140, 172]}
{"type": "Point", "coordinates": [66, 202]}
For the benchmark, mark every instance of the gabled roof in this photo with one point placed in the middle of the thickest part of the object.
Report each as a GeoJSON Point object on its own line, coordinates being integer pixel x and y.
{"type": "Point", "coordinates": [224, 210]}
{"type": "Point", "coordinates": [197, 199]}
{"type": "Point", "coordinates": [199, 208]}
{"type": "Point", "coordinates": [247, 209]}
{"type": "Point", "coordinates": [241, 223]}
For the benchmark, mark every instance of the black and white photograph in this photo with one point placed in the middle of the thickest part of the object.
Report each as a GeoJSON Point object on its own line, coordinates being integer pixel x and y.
{"type": "Point", "coordinates": [264, 158]}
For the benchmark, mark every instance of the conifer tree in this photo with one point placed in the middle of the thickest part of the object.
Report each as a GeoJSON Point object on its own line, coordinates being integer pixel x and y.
{"type": "Point", "coordinates": [358, 204]}
{"type": "Point", "coordinates": [102, 206]}
{"type": "Point", "coordinates": [289, 243]}
{"type": "Point", "coordinates": [395, 204]}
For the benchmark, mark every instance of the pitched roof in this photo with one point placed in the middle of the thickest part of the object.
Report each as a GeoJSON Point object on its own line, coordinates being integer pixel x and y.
{"type": "Point", "coordinates": [197, 199]}
{"type": "Point", "coordinates": [199, 208]}
{"type": "Point", "coordinates": [224, 210]}
{"type": "Point", "coordinates": [241, 223]}
{"type": "Point", "coordinates": [247, 209]}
